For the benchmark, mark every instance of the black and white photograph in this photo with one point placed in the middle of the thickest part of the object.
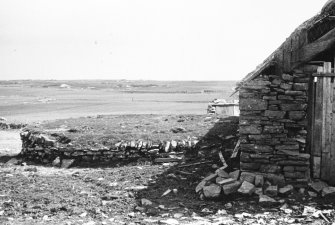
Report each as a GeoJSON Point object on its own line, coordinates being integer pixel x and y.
{"type": "Point", "coordinates": [155, 112]}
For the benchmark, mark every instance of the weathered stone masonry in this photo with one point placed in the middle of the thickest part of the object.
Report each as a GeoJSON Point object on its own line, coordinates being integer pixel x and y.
{"type": "Point", "coordinates": [44, 148]}
{"type": "Point", "coordinates": [273, 126]}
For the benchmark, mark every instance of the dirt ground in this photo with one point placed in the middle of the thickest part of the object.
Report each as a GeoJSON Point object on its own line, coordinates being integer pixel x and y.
{"type": "Point", "coordinates": [138, 192]}
{"type": "Point", "coordinates": [32, 194]}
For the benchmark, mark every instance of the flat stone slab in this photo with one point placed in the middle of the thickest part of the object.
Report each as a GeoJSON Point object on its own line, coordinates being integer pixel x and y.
{"type": "Point", "coordinates": [66, 163]}
{"type": "Point", "coordinates": [136, 188]}
{"type": "Point", "coordinates": [204, 181]}
{"type": "Point", "coordinates": [293, 153]}
{"type": "Point", "coordinates": [288, 189]}
{"type": "Point", "coordinates": [249, 177]}
{"type": "Point", "coordinates": [13, 161]}
{"type": "Point", "coordinates": [235, 174]}
{"type": "Point", "coordinates": [212, 191]}
{"type": "Point", "coordinates": [246, 188]}
{"type": "Point", "coordinates": [224, 181]}
{"type": "Point", "coordinates": [221, 173]}
{"type": "Point", "coordinates": [231, 188]}
{"type": "Point", "coordinates": [266, 199]}
{"type": "Point", "coordinates": [200, 186]}
{"type": "Point", "coordinates": [318, 186]}
{"type": "Point", "coordinates": [328, 192]}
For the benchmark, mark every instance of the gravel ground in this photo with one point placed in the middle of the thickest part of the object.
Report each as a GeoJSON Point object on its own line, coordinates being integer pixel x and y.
{"type": "Point", "coordinates": [134, 194]}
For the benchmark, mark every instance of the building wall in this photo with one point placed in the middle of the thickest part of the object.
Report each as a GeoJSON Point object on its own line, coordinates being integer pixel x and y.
{"type": "Point", "coordinates": [273, 126]}
{"type": "Point", "coordinates": [228, 110]}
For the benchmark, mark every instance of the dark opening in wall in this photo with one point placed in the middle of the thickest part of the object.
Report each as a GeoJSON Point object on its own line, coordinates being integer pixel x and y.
{"type": "Point", "coordinates": [326, 56]}
{"type": "Point", "coordinates": [270, 70]}
{"type": "Point", "coordinates": [293, 131]}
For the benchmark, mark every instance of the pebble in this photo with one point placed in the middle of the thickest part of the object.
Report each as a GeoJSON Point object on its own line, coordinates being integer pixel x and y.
{"type": "Point", "coordinates": [169, 221]}
{"type": "Point", "coordinates": [136, 188]}
{"type": "Point", "coordinates": [221, 212]}
{"type": "Point", "coordinates": [266, 199]}
{"type": "Point", "coordinates": [83, 214]}
{"type": "Point", "coordinates": [228, 205]}
{"type": "Point", "coordinates": [312, 194]}
{"type": "Point", "coordinates": [145, 202]}
{"type": "Point", "coordinates": [178, 215]}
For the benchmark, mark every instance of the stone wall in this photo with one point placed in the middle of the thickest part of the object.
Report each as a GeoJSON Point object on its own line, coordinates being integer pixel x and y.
{"type": "Point", "coordinates": [40, 147]}
{"type": "Point", "coordinates": [7, 126]}
{"type": "Point", "coordinates": [273, 126]}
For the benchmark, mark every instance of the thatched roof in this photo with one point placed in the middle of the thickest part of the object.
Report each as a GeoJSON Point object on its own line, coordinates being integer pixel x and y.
{"type": "Point", "coordinates": [309, 39]}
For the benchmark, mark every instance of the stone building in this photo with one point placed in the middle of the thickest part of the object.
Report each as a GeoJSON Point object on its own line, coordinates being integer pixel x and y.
{"type": "Point", "coordinates": [286, 106]}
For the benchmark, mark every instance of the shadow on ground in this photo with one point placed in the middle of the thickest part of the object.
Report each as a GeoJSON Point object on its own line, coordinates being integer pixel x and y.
{"type": "Point", "coordinates": [173, 191]}
{"type": "Point", "coordinates": [178, 182]}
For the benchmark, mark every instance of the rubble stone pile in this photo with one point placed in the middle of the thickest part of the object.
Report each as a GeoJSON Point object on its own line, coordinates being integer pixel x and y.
{"type": "Point", "coordinates": [269, 187]}
{"type": "Point", "coordinates": [273, 126]}
{"type": "Point", "coordinates": [55, 148]}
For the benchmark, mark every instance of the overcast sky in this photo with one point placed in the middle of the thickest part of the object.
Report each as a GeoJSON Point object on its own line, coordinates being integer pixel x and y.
{"type": "Point", "coordinates": [143, 39]}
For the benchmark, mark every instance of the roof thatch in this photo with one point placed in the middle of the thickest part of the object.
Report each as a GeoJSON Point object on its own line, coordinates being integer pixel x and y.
{"type": "Point", "coordinates": [298, 48]}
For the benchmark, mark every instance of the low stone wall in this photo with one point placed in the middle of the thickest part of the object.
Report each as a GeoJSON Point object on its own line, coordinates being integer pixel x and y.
{"type": "Point", "coordinates": [273, 126]}
{"type": "Point", "coordinates": [7, 126]}
{"type": "Point", "coordinates": [44, 148]}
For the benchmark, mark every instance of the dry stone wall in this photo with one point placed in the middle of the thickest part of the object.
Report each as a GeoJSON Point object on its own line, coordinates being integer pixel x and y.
{"type": "Point", "coordinates": [273, 126]}
{"type": "Point", "coordinates": [6, 126]}
{"type": "Point", "coordinates": [44, 148]}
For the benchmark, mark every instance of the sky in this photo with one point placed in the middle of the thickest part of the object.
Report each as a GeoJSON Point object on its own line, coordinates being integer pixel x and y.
{"type": "Point", "coordinates": [143, 39]}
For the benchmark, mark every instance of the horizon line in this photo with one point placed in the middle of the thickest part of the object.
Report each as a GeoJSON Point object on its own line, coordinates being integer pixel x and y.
{"type": "Point", "coordinates": [109, 79]}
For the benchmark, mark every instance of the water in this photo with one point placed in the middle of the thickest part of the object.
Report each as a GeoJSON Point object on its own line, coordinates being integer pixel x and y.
{"type": "Point", "coordinates": [10, 142]}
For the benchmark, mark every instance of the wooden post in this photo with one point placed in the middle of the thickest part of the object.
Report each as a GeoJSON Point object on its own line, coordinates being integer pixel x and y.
{"type": "Point", "coordinates": [326, 124]}
{"type": "Point", "coordinates": [327, 67]}
{"type": "Point", "coordinates": [310, 112]}
{"type": "Point", "coordinates": [315, 170]}
{"type": "Point", "coordinates": [318, 119]}
{"type": "Point", "coordinates": [332, 145]}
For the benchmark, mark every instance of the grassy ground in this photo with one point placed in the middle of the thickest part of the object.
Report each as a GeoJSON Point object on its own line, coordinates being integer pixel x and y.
{"type": "Point", "coordinates": [108, 130]}
{"type": "Point", "coordinates": [27, 101]}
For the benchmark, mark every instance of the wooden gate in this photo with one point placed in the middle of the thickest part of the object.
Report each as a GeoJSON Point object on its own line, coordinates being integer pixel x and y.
{"type": "Point", "coordinates": [323, 125]}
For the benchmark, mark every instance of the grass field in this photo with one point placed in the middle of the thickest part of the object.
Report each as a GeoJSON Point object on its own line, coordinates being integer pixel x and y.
{"type": "Point", "coordinates": [29, 101]}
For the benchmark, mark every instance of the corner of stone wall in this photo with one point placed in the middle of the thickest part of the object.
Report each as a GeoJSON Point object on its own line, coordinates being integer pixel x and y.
{"type": "Point", "coordinates": [273, 126]}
